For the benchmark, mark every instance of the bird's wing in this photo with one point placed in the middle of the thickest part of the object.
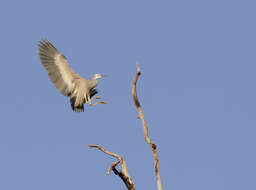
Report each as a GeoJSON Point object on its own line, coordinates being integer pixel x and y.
{"type": "Point", "coordinates": [59, 71]}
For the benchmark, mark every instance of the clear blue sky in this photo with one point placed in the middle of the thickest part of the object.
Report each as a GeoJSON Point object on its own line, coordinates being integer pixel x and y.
{"type": "Point", "coordinates": [197, 89]}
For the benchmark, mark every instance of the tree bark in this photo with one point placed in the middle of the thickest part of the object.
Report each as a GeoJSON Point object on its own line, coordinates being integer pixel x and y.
{"type": "Point", "coordinates": [145, 128]}
{"type": "Point", "coordinates": [123, 174]}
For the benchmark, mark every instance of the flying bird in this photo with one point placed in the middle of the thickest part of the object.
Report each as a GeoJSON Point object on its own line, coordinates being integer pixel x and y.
{"type": "Point", "coordinates": [65, 79]}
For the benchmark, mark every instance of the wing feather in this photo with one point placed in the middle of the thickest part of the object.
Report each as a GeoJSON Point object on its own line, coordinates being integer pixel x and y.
{"type": "Point", "coordinates": [59, 71]}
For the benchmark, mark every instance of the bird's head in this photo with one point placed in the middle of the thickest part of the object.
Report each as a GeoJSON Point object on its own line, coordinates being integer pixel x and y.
{"type": "Point", "coordinates": [98, 76]}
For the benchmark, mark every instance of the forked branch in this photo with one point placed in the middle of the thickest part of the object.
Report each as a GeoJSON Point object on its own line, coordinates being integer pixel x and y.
{"type": "Point", "coordinates": [123, 174]}
{"type": "Point", "coordinates": [145, 127]}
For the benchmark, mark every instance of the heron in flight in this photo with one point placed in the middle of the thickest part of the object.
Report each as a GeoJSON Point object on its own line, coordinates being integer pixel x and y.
{"type": "Point", "coordinates": [66, 80]}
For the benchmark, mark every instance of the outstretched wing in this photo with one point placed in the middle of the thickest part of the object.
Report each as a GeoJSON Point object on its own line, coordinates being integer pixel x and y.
{"type": "Point", "coordinates": [59, 71]}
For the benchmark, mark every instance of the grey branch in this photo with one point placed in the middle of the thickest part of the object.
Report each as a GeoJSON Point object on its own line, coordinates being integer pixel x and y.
{"type": "Point", "coordinates": [123, 174]}
{"type": "Point", "coordinates": [145, 127]}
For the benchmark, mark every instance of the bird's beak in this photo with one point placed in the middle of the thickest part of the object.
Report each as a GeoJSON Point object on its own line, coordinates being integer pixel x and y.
{"type": "Point", "coordinates": [103, 76]}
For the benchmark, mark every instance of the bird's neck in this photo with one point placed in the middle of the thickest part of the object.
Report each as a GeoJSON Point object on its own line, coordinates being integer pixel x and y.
{"type": "Point", "coordinates": [94, 82]}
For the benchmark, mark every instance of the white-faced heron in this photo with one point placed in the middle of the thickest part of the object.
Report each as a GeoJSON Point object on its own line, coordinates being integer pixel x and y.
{"type": "Point", "coordinates": [65, 79]}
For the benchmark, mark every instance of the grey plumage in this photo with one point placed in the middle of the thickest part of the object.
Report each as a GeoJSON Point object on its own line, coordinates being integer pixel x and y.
{"type": "Point", "coordinates": [65, 79]}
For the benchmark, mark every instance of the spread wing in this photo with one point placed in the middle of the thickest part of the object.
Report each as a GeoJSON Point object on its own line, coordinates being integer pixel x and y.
{"type": "Point", "coordinates": [59, 71]}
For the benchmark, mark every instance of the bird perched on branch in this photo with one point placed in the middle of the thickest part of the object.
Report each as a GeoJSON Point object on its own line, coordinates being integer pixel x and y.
{"type": "Point", "coordinates": [66, 80]}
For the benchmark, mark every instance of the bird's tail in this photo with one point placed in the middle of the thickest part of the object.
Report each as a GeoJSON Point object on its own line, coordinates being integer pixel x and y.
{"type": "Point", "coordinates": [79, 108]}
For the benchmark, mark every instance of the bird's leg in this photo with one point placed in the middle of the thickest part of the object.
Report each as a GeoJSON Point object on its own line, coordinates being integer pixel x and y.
{"type": "Point", "coordinates": [90, 100]}
{"type": "Point", "coordinates": [96, 98]}
{"type": "Point", "coordinates": [98, 103]}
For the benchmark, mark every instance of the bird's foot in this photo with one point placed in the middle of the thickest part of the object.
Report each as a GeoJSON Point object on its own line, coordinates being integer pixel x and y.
{"type": "Point", "coordinates": [95, 98]}
{"type": "Point", "coordinates": [97, 103]}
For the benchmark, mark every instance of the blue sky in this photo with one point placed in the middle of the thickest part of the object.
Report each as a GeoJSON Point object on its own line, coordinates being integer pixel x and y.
{"type": "Point", "coordinates": [197, 91]}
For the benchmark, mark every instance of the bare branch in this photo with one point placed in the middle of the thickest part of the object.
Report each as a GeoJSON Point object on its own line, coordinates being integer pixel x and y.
{"type": "Point", "coordinates": [123, 174]}
{"type": "Point", "coordinates": [112, 166]}
{"type": "Point", "coordinates": [145, 127]}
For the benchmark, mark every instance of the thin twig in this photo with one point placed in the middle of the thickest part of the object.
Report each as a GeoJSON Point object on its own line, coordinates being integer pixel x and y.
{"type": "Point", "coordinates": [123, 174]}
{"type": "Point", "coordinates": [145, 127]}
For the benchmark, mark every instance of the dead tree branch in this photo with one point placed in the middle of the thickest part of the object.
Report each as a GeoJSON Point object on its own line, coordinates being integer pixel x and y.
{"type": "Point", "coordinates": [145, 127]}
{"type": "Point", "coordinates": [123, 174]}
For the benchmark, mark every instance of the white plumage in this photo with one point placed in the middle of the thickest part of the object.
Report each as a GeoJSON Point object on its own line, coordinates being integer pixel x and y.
{"type": "Point", "coordinates": [65, 79]}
